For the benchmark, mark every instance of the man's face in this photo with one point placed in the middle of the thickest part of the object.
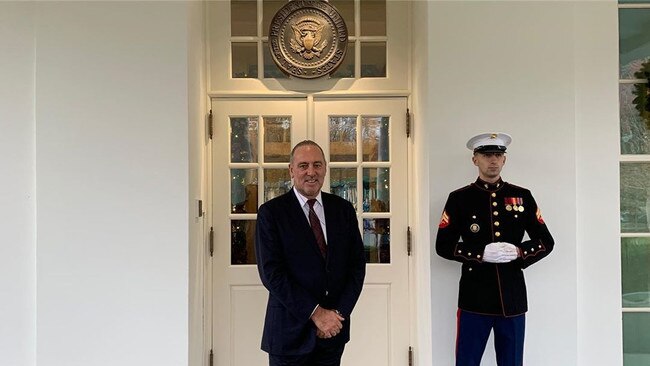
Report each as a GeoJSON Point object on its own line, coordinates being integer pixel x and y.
{"type": "Point", "coordinates": [489, 165]}
{"type": "Point", "coordinates": [308, 170]}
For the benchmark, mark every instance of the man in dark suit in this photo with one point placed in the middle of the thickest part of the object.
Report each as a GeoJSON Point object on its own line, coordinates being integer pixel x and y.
{"type": "Point", "coordinates": [310, 258]}
{"type": "Point", "coordinates": [483, 227]}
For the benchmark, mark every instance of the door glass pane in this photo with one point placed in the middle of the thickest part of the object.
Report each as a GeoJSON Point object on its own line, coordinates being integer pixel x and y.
{"type": "Point", "coordinates": [243, 139]}
{"type": "Point", "coordinates": [343, 183]}
{"type": "Point", "coordinates": [635, 261]}
{"type": "Point", "coordinates": [374, 131]}
{"type": "Point", "coordinates": [243, 190]}
{"type": "Point", "coordinates": [270, 7]}
{"type": "Point", "coordinates": [636, 339]}
{"type": "Point", "coordinates": [634, 41]}
{"type": "Point", "coordinates": [346, 68]}
{"type": "Point", "coordinates": [346, 9]}
{"type": "Point", "coordinates": [373, 17]}
{"type": "Point", "coordinates": [276, 182]}
{"type": "Point", "coordinates": [376, 189]}
{"type": "Point", "coordinates": [376, 240]}
{"type": "Point", "coordinates": [277, 139]}
{"type": "Point", "coordinates": [244, 60]}
{"type": "Point", "coordinates": [373, 59]}
{"type": "Point", "coordinates": [243, 17]}
{"type": "Point", "coordinates": [635, 194]}
{"type": "Point", "coordinates": [343, 138]}
{"type": "Point", "coordinates": [271, 70]}
{"type": "Point", "coordinates": [635, 119]}
{"type": "Point", "coordinates": [242, 242]}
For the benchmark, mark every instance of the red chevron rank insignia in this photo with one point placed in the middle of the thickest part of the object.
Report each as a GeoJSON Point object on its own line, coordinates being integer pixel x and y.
{"type": "Point", "coordinates": [539, 216]}
{"type": "Point", "coordinates": [444, 220]}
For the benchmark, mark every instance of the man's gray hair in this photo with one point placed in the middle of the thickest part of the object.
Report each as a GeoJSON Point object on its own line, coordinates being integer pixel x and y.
{"type": "Point", "coordinates": [305, 143]}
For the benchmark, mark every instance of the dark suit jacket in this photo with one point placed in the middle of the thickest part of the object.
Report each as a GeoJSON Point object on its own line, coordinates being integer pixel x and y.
{"type": "Point", "coordinates": [298, 277]}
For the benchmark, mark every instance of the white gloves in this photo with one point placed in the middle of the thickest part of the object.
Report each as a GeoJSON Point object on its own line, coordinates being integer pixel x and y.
{"type": "Point", "coordinates": [500, 252]}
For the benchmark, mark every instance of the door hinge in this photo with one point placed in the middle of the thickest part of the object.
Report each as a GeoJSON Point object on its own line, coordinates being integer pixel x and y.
{"type": "Point", "coordinates": [410, 356]}
{"type": "Point", "coordinates": [211, 358]}
{"type": "Point", "coordinates": [408, 240]}
{"type": "Point", "coordinates": [200, 208]}
{"type": "Point", "coordinates": [408, 123]}
{"type": "Point", "coordinates": [210, 128]}
{"type": "Point", "coordinates": [211, 241]}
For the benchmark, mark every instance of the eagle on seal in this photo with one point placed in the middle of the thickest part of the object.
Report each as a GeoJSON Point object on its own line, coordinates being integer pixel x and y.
{"type": "Point", "coordinates": [308, 38]}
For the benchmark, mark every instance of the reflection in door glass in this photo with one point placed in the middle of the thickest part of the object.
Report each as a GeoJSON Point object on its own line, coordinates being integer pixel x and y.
{"type": "Point", "coordinates": [636, 339]}
{"type": "Point", "coordinates": [243, 16]}
{"type": "Point", "coordinates": [376, 240]}
{"type": "Point", "coordinates": [244, 60]}
{"type": "Point", "coordinates": [343, 183]}
{"type": "Point", "coordinates": [276, 182]}
{"type": "Point", "coordinates": [343, 138]}
{"type": "Point", "coordinates": [635, 272]}
{"type": "Point", "coordinates": [242, 242]}
{"type": "Point", "coordinates": [243, 139]}
{"type": "Point", "coordinates": [243, 190]}
{"type": "Point", "coordinates": [277, 139]}
{"type": "Point", "coordinates": [346, 68]}
{"type": "Point", "coordinates": [376, 189]}
{"type": "Point", "coordinates": [635, 119]}
{"type": "Point", "coordinates": [374, 131]}
{"type": "Point", "coordinates": [634, 39]}
{"type": "Point", "coordinates": [373, 17]}
{"type": "Point", "coordinates": [635, 197]}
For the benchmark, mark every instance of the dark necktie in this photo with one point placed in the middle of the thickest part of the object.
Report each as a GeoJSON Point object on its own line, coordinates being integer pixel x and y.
{"type": "Point", "coordinates": [316, 228]}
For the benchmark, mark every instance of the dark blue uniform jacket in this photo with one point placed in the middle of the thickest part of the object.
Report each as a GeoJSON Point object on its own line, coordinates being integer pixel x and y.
{"type": "Point", "coordinates": [480, 214]}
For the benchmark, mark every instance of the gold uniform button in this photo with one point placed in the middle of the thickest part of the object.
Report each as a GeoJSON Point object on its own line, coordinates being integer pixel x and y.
{"type": "Point", "coordinates": [494, 203]}
{"type": "Point", "coordinates": [460, 251]}
{"type": "Point", "coordinates": [496, 223]}
{"type": "Point", "coordinates": [540, 247]}
{"type": "Point", "coordinates": [495, 213]}
{"type": "Point", "coordinates": [473, 216]}
{"type": "Point", "coordinates": [532, 249]}
{"type": "Point", "coordinates": [478, 256]}
{"type": "Point", "coordinates": [494, 194]}
{"type": "Point", "coordinates": [470, 269]}
{"type": "Point", "coordinates": [497, 234]}
{"type": "Point", "coordinates": [525, 252]}
{"type": "Point", "coordinates": [469, 253]}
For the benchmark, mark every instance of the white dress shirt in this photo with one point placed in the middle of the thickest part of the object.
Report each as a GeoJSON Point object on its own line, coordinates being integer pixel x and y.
{"type": "Point", "coordinates": [318, 208]}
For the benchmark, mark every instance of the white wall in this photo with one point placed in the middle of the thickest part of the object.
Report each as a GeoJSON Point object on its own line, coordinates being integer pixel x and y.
{"type": "Point", "coordinates": [17, 200]}
{"type": "Point", "coordinates": [597, 152]}
{"type": "Point", "coordinates": [112, 183]}
{"type": "Point", "coordinates": [509, 66]}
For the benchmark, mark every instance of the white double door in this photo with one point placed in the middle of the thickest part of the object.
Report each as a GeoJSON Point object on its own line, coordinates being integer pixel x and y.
{"type": "Point", "coordinates": [365, 144]}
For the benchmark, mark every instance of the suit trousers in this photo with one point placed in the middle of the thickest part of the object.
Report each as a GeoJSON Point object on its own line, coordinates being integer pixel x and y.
{"type": "Point", "coordinates": [321, 356]}
{"type": "Point", "coordinates": [473, 333]}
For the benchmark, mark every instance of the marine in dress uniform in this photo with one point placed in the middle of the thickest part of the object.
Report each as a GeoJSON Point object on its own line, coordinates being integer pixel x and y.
{"type": "Point", "coordinates": [483, 227]}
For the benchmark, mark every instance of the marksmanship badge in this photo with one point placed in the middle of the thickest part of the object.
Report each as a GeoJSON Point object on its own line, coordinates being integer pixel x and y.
{"type": "Point", "coordinates": [308, 38]}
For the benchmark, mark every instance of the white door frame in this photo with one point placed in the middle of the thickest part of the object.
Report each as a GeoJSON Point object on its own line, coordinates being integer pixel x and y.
{"type": "Point", "coordinates": [418, 218]}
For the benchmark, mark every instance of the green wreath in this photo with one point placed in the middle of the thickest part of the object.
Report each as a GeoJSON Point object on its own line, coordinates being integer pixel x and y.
{"type": "Point", "coordinates": [642, 92]}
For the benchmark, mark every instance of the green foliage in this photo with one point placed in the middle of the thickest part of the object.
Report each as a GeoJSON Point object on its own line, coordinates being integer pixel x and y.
{"type": "Point", "coordinates": [642, 91]}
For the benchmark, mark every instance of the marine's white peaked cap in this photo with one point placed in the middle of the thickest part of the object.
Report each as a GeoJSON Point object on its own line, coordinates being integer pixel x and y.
{"type": "Point", "coordinates": [489, 142]}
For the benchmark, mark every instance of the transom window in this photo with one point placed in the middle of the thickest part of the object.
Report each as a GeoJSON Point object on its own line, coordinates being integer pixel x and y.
{"type": "Point", "coordinates": [249, 30]}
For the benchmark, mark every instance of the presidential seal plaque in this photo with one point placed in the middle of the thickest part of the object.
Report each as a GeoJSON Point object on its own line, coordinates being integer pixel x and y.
{"type": "Point", "coordinates": [308, 38]}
